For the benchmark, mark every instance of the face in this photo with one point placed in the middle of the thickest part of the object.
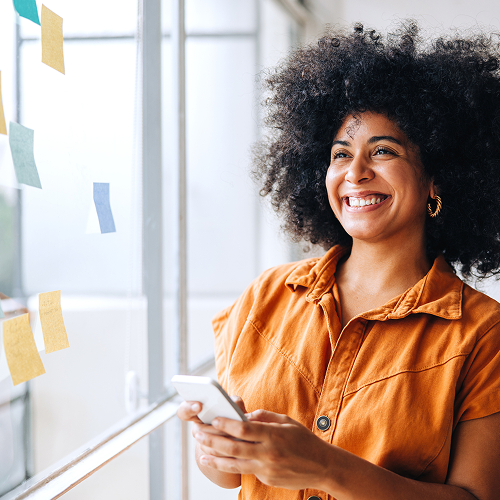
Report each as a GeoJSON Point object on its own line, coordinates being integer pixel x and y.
{"type": "Point", "coordinates": [375, 182]}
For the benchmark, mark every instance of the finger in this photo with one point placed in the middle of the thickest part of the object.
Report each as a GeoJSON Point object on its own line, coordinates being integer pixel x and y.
{"type": "Point", "coordinates": [210, 429]}
{"type": "Point", "coordinates": [227, 446]}
{"type": "Point", "coordinates": [245, 431]}
{"type": "Point", "coordinates": [224, 464]}
{"type": "Point", "coordinates": [188, 410]}
{"type": "Point", "coordinates": [239, 402]}
{"type": "Point", "coordinates": [253, 431]}
{"type": "Point", "coordinates": [269, 416]}
{"type": "Point", "coordinates": [204, 450]}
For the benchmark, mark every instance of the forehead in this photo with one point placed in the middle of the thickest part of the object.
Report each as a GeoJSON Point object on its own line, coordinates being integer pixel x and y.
{"type": "Point", "coordinates": [365, 125]}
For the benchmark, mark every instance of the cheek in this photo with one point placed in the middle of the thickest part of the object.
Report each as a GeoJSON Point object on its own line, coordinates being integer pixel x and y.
{"type": "Point", "coordinates": [332, 182]}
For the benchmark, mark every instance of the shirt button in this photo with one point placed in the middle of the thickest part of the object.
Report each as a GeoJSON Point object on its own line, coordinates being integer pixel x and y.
{"type": "Point", "coordinates": [323, 424]}
{"type": "Point", "coordinates": [314, 497]}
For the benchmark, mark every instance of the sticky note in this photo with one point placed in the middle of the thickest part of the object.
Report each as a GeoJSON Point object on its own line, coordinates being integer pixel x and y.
{"type": "Point", "coordinates": [103, 207]}
{"type": "Point", "coordinates": [3, 126]}
{"type": "Point", "coordinates": [20, 350]}
{"type": "Point", "coordinates": [52, 40]}
{"type": "Point", "coordinates": [21, 140]}
{"type": "Point", "coordinates": [27, 9]}
{"type": "Point", "coordinates": [54, 332]}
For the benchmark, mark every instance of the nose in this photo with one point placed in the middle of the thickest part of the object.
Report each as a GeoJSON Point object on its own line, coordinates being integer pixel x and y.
{"type": "Point", "coordinates": [359, 171]}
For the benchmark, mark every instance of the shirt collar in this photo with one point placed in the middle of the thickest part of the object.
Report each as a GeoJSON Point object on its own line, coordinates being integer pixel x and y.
{"type": "Point", "coordinates": [438, 293]}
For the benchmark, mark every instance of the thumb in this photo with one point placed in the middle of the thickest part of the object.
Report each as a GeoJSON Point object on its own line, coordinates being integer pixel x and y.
{"type": "Point", "coordinates": [239, 402]}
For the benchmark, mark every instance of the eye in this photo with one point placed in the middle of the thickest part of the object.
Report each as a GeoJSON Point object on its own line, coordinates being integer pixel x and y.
{"type": "Point", "coordinates": [339, 154]}
{"type": "Point", "coordinates": [382, 150]}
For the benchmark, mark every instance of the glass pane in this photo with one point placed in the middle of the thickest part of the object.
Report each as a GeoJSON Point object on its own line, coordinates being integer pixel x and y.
{"type": "Point", "coordinates": [222, 224]}
{"type": "Point", "coordinates": [214, 16]}
{"type": "Point", "coordinates": [124, 478]}
{"type": "Point", "coordinates": [93, 17]}
{"type": "Point", "coordinates": [7, 248]}
{"type": "Point", "coordinates": [233, 16]}
{"type": "Point", "coordinates": [221, 200]}
{"type": "Point", "coordinates": [13, 424]}
{"type": "Point", "coordinates": [277, 33]}
{"type": "Point", "coordinates": [84, 133]}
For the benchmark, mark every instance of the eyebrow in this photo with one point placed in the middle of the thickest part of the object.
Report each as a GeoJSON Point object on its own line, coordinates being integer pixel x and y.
{"type": "Point", "coordinates": [371, 140]}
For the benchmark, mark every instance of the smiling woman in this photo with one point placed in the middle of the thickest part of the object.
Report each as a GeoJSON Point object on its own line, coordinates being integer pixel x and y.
{"type": "Point", "coordinates": [375, 182]}
{"type": "Point", "coordinates": [372, 372]}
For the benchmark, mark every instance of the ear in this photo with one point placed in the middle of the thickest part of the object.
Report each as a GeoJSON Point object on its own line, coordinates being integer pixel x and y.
{"type": "Point", "coordinates": [434, 190]}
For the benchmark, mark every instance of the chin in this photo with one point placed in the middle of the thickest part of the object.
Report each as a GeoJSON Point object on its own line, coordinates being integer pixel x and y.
{"type": "Point", "coordinates": [363, 233]}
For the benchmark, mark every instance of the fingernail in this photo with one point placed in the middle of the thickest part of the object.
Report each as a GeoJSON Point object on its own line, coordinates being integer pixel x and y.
{"type": "Point", "coordinates": [195, 407]}
{"type": "Point", "coordinates": [204, 460]}
{"type": "Point", "coordinates": [215, 422]}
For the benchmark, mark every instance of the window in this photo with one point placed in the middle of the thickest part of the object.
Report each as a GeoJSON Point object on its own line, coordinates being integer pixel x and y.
{"type": "Point", "coordinates": [88, 127]}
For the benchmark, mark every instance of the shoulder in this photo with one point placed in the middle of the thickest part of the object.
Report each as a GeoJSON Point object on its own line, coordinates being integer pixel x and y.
{"type": "Point", "coordinates": [273, 289]}
{"type": "Point", "coordinates": [479, 382]}
{"type": "Point", "coordinates": [481, 312]}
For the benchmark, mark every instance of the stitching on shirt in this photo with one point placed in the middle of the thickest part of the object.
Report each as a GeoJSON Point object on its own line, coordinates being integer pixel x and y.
{"type": "Point", "coordinates": [487, 331]}
{"type": "Point", "coordinates": [425, 368]}
{"type": "Point", "coordinates": [285, 356]}
{"type": "Point", "coordinates": [346, 381]}
{"type": "Point", "coordinates": [440, 448]}
{"type": "Point", "coordinates": [479, 402]}
{"type": "Point", "coordinates": [478, 339]}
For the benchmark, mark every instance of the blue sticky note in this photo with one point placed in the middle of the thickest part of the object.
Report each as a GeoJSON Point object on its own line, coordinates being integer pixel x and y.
{"type": "Point", "coordinates": [21, 140]}
{"type": "Point", "coordinates": [103, 207]}
{"type": "Point", "coordinates": [27, 9]}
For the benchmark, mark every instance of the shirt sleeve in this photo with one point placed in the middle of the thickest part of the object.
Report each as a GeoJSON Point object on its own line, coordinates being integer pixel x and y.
{"type": "Point", "coordinates": [479, 394]}
{"type": "Point", "coordinates": [227, 326]}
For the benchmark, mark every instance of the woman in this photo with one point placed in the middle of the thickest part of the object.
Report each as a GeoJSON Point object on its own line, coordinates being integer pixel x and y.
{"type": "Point", "coordinates": [374, 371]}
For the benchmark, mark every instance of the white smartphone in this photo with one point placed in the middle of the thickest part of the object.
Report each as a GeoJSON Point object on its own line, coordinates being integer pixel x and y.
{"type": "Point", "coordinates": [215, 400]}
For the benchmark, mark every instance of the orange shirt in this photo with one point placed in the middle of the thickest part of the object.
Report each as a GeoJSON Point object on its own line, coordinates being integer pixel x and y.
{"type": "Point", "coordinates": [393, 384]}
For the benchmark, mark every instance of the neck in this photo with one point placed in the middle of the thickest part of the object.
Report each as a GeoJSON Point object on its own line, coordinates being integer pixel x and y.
{"type": "Point", "coordinates": [385, 266]}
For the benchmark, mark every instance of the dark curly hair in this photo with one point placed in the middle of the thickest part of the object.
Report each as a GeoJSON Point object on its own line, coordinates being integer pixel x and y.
{"type": "Point", "coordinates": [444, 95]}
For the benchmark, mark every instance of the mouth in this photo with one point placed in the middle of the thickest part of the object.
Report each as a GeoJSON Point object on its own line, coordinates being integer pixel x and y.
{"type": "Point", "coordinates": [363, 201]}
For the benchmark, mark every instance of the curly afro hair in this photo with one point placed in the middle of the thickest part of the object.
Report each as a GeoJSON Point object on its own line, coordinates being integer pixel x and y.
{"type": "Point", "coordinates": [444, 95]}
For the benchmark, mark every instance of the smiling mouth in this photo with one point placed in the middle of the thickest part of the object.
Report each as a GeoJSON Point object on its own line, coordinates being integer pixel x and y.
{"type": "Point", "coordinates": [363, 201]}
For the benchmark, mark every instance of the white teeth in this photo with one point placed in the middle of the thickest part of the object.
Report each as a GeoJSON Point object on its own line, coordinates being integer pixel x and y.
{"type": "Point", "coordinates": [361, 202]}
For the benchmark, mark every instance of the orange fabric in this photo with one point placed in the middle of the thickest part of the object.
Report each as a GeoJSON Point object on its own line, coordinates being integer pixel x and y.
{"type": "Point", "coordinates": [394, 383]}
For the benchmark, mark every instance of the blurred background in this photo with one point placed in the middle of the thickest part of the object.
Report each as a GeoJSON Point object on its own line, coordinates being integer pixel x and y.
{"type": "Point", "coordinates": [88, 129]}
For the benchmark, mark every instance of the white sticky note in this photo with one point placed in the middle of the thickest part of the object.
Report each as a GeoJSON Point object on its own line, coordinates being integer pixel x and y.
{"type": "Point", "coordinates": [93, 226]}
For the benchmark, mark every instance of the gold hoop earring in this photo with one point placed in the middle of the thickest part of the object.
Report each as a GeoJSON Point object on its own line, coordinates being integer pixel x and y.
{"type": "Point", "coordinates": [439, 205]}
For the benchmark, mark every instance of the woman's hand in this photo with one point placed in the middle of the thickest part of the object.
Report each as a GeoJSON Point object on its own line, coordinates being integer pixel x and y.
{"type": "Point", "coordinates": [278, 450]}
{"type": "Point", "coordinates": [188, 412]}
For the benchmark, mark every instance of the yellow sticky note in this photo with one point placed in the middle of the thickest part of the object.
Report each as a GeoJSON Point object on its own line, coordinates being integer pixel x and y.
{"type": "Point", "coordinates": [51, 319]}
{"type": "Point", "coordinates": [52, 40]}
{"type": "Point", "coordinates": [20, 350]}
{"type": "Point", "coordinates": [3, 126]}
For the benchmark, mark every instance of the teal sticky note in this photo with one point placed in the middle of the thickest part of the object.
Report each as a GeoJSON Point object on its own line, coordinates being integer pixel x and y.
{"type": "Point", "coordinates": [21, 141]}
{"type": "Point", "coordinates": [27, 9]}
